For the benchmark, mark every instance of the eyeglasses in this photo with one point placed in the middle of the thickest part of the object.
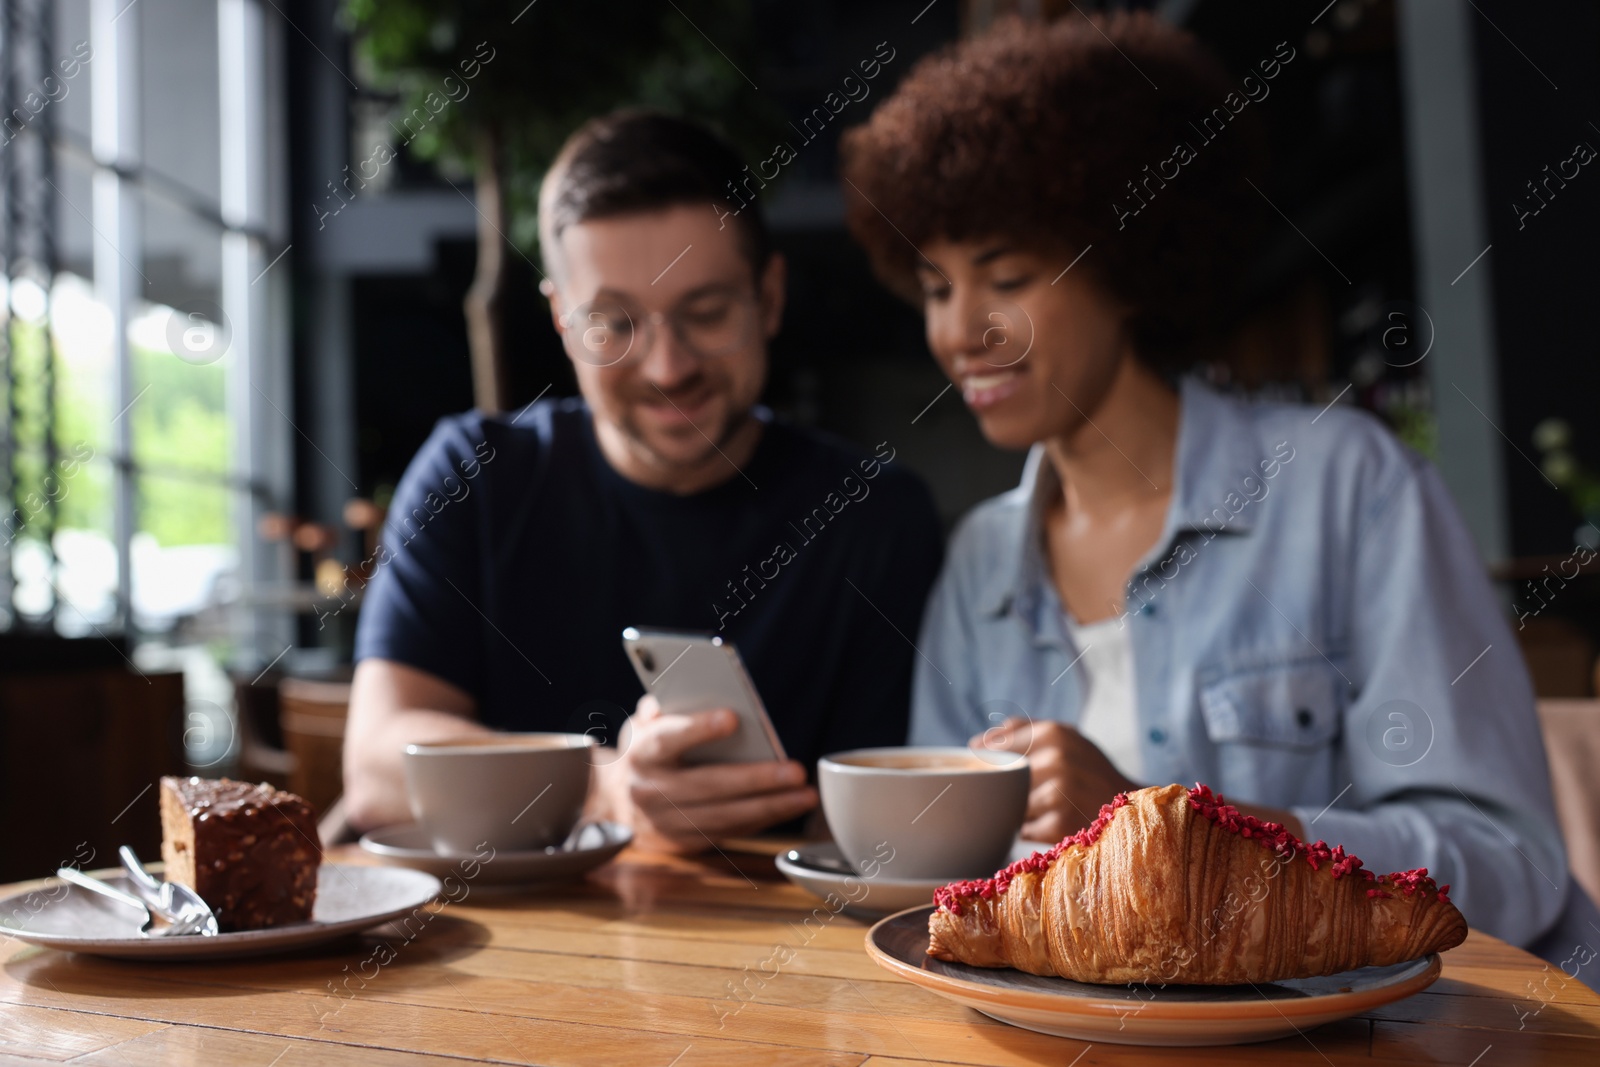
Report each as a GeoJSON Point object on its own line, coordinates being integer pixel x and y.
{"type": "Point", "coordinates": [604, 332]}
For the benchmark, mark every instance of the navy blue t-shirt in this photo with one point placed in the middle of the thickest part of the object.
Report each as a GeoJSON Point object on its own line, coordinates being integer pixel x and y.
{"type": "Point", "coordinates": [515, 555]}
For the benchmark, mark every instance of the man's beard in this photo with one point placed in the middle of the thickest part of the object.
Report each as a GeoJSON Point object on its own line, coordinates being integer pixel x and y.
{"type": "Point", "coordinates": [640, 443]}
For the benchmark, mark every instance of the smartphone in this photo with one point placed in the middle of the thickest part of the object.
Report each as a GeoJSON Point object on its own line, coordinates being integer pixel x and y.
{"type": "Point", "coordinates": [689, 672]}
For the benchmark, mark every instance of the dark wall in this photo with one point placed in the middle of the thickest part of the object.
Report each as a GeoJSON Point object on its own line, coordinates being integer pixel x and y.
{"type": "Point", "coordinates": [1337, 252]}
{"type": "Point", "coordinates": [412, 362]}
{"type": "Point", "coordinates": [1538, 98]}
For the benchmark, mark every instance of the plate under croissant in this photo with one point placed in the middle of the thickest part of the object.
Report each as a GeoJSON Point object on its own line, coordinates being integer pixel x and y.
{"type": "Point", "coordinates": [1119, 1014]}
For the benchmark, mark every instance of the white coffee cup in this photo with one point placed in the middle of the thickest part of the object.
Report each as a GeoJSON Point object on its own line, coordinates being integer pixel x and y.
{"type": "Point", "coordinates": [942, 812]}
{"type": "Point", "coordinates": [508, 792]}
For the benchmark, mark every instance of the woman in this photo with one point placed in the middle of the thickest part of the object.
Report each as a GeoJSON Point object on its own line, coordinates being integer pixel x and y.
{"type": "Point", "coordinates": [1278, 601]}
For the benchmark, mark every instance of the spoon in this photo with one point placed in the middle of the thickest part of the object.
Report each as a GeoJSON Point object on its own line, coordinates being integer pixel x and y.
{"type": "Point", "coordinates": [173, 901]}
{"type": "Point", "coordinates": [95, 885]}
{"type": "Point", "coordinates": [820, 863]}
{"type": "Point", "coordinates": [573, 838]}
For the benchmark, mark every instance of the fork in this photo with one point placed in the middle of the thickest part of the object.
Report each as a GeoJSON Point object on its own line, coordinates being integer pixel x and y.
{"type": "Point", "coordinates": [173, 901]}
{"type": "Point", "coordinates": [179, 926]}
{"type": "Point", "coordinates": [95, 885]}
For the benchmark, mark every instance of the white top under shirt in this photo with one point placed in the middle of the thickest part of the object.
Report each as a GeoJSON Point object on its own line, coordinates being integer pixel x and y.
{"type": "Point", "coordinates": [1108, 718]}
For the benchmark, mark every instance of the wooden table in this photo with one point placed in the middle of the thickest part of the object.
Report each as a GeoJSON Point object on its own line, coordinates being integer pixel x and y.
{"type": "Point", "coordinates": [667, 962]}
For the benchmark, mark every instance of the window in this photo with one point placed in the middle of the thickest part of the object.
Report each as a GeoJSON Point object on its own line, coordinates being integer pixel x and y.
{"type": "Point", "coordinates": [144, 338]}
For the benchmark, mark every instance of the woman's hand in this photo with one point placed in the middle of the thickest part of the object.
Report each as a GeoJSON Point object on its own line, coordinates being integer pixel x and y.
{"type": "Point", "coordinates": [686, 809]}
{"type": "Point", "coordinates": [1071, 777]}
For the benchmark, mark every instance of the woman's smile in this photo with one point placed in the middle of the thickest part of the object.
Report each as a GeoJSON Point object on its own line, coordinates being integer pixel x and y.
{"type": "Point", "coordinates": [983, 386]}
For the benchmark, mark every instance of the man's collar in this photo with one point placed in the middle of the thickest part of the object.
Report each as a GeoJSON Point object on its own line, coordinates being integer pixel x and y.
{"type": "Point", "coordinates": [1217, 450]}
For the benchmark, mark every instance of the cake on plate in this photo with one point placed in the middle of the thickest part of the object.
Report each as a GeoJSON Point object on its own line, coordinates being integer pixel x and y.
{"type": "Point", "coordinates": [251, 851]}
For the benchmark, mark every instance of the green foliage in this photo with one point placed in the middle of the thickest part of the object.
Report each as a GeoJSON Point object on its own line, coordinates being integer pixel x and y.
{"type": "Point", "coordinates": [1417, 427]}
{"type": "Point", "coordinates": [559, 64]}
{"type": "Point", "coordinates": [181, 418]}
{"type": "Point", "coordinates": [179, 422]}
{"type": "Point", "coordinates": [1576, 480]}
{"type": "Point", "coordinates": [31, 494]}
{"type": "Point", "coordinates": [177, 511]}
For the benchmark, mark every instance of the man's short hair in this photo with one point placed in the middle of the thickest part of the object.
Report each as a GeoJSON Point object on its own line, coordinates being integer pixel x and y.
{"type": "Point", "coordinates": [1050, 137]}
{"type": "Point", "coordinates": [635, 161]}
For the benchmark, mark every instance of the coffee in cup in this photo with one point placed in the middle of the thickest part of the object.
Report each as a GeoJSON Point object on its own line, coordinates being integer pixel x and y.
{"type": "Point", "coordinates": [508, 792]}
{"type": "Point", "coordinates": [941, 812]}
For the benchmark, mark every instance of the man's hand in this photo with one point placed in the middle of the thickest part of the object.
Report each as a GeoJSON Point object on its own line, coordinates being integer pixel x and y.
{"type": "Point", "coordinates": [685, 809]}
{"type": "Point", "coordinates": [1071, 777]}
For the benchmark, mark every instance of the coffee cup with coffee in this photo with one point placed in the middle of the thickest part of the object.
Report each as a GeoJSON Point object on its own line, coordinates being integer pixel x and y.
{"type": "Point", "coordinates": [942, 812]}
{"type": "Point", "coordinates": [508, 792]}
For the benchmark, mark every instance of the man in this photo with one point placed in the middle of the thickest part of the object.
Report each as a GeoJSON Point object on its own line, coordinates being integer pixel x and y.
{"type": "Point", "coordinates": [518, 547]}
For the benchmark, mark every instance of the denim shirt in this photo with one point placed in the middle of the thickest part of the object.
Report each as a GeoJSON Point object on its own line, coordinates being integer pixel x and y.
{"type": "Point", "coordinates": [1313, 630]}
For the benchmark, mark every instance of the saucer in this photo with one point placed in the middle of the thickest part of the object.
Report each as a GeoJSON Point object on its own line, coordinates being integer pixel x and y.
{"type": "Point", "coordinates": [408, 846]}
{"type": "Point", "coordinates": [876, 897]}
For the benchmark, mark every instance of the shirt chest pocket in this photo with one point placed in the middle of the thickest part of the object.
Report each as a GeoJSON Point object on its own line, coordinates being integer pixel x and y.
{"type": "Point", "coordinates": [1275, 731]}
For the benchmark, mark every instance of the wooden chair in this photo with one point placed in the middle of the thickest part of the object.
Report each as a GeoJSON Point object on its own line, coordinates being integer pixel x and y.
{"type": "Point", "coordinates": [1572, 741]}
{"type": "Point", "coordinates": [262, 757]}
{"type": "Point", "coordinates": [80, 755]}
{"type": "Point", "coordinates": [1559, 655]}
{"type": "Point", "coordinates": [313, 718]}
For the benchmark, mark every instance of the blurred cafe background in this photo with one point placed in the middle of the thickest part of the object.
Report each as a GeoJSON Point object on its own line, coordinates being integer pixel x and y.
{"type": "Point", "coordinates": [243, 239]}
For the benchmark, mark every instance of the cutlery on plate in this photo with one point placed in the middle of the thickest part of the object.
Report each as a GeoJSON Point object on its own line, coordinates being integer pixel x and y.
{"type": "Point", "coordinates": [95, 885]}
{"type": "Point", "coordinates": [173, 901]}
{"type": "Point", "coordinates": [575, 838]}
{"type": "Point", "coordinates": [820, 863]}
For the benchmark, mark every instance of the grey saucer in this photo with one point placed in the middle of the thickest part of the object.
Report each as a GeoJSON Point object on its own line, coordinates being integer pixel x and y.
{"type": "Point", "coordinates": [348, 899]}
{"type": "Point", "coordinates": [868, 898]}
{"type": "Point", "coordinates": [408, 846]}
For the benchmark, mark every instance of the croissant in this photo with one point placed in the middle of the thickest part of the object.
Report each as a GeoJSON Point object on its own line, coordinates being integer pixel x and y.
{"type": "Point", "coordinates": [1171, 884]}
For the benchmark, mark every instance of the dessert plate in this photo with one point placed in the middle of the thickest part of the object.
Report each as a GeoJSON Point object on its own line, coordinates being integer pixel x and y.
{"type": "Point", "coordinates": [349, 899]}
{"type": "Point", "coordinates": [1142, 1015]}
{"type": "Point", "coordinates": [408, 846]}
{"type": "Point", "coordinates": [868, 898]}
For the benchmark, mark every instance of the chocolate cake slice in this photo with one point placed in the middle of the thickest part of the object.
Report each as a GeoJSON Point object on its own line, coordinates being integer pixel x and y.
{"type": "Point", "coordinates": [250, 851]}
